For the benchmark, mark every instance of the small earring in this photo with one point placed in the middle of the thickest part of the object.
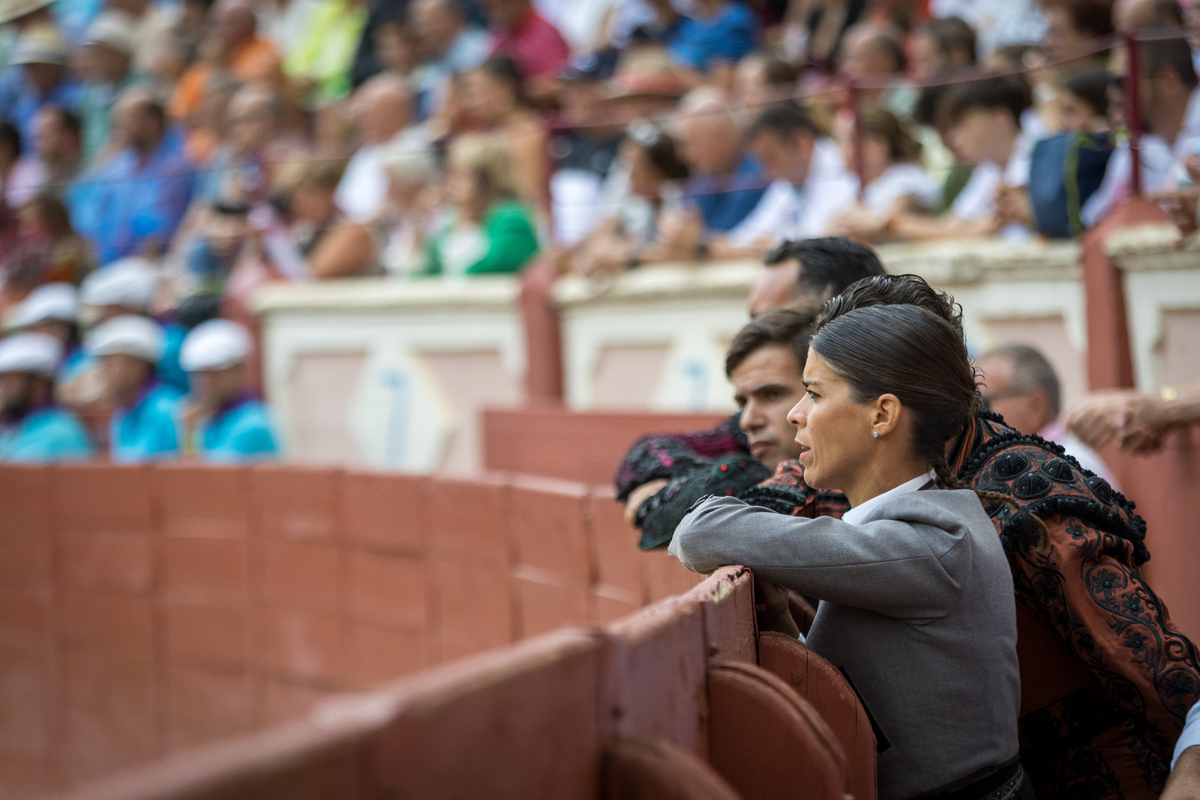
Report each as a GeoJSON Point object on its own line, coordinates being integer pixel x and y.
{"type": "Point", "coordinates": [875, 434]}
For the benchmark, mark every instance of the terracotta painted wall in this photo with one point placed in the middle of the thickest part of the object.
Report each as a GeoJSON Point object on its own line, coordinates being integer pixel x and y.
{"type": "Point", "coordinates": [147, 609]}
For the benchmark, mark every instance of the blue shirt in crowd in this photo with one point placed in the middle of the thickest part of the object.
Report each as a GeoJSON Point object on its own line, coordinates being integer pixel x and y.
{"type": "Point", "coordinates": [29, 101]}
{"type": "Point", "coordinates": [121, 204]}
{"type": "Point", "coordinates": [240, 432]}
{"type": "Point", "coordinates": [726, 200]}
{"type": "Point", "coordinates": [728, 35]}
{"type": "Point", "coordinates": [42, 436]}
{"type": "Point", "coordinates": [150, 429]}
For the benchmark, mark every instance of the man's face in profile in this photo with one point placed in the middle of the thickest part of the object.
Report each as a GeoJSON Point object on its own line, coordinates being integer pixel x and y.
{"type": "Point", "coordinates": [767, 384]}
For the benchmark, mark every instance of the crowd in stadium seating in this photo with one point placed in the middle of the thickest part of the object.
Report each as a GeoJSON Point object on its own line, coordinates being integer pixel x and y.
{"type": "Point", "coordinates": [223, 144]}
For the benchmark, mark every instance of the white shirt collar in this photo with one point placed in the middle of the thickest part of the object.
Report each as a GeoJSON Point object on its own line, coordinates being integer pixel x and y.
{"type": "Point", "coordinates": [856, 515]}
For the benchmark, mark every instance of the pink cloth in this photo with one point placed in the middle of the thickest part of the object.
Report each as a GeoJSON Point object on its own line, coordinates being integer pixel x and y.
{"type": "Point", "coordinates": [535, 44]}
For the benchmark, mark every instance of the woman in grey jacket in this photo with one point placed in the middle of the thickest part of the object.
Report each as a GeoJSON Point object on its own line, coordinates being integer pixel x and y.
{"type": "Point", "coordinates": [916, 595]}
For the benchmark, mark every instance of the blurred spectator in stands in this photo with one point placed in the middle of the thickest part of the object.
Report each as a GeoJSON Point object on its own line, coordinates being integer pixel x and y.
{"type": "Point", "coordinates": [873, 55]}
{"type": "Point", "coordinates": [763, 79]}
{"type": "Point", "coordinates": [206, 126]}
{"type": "Point", "coordinates": [240, 171]}
{"type": "Point", "coordinates": [145, 423]}
{"type": "Point", "coordinates": [1021, 386]}
{"type": "Point", "coordinates": [219, 231]}
{"type": "Point", "coordinates": [152, 21]}
{"type": "Point", "coordinates": [285, 23]}
{"type": "Point", "coordinates": [304, 233]}
{"type": "Point", "coordinates": [942, 46]}
{"type": "Point", "coordinates": [585, 152]}
{"type": "Point", "coordinates": [1138, 421]}
{"type": "Point", "coordinates": [19, 175]}
{"type": "Point", "coordinates": [449, 45]}
{"type": "Point", "coordinates": [222, 422]}
{"type": "Point", "coordinates": [650, 185]}
{"type": "Point", "coordinates": [46, 249]}
{"type": "Point", "coordinates": [41, 55]}
{"type": "Point", "coordinates": [891, 174]}
{"type": "Point", "coordinates": [937, 149]}
{"type": "Point", "coordinates": [814, 30]}
{"type": "Point", "coordinates": [111, 42]}
{"type": "Point", "coordinates": [32, 428]}
{"type": "Point", "coordinates": [384, 108]}
{"type": "Point", "coordinates": [397, 47]}
{"type": "Point", "coordinates": [491, 230]}
{"type": "Point", "coordinates": [539, 51]}
{"type": "Point", "coordinates": [497, 97]}
{"type": "Point", "coordinates": [319, 66]}
{"type": "Point", "coordinates": [59, 149]}
{"type": "Point", "coordinates": [1083, 101]}
{"type": "Point", "coordinates": [137, 199]}
{"type": "Point", "coordinates": [231, 45]}
{"type": "Point", "coordinates": [409, 216]}
{"type": "Point", "coordinates": [713, 36]}
{"type": "Point", "coordinates": [1170, 101]}
{"type": "Point", "coordinates": [997, 25]}
{"type": "Point", "coordinates": [1132, 15]}
{"type": "Point", "coordinates": [52, 309]}
{"type": "Point", "coordinates": [726, 183]}
{"type": "Point", "coordinates": [983, 120]}
{"type": "Point", "coordinates": [809, 184]}
{"type": "Point", "coordinates": [1073, 25]}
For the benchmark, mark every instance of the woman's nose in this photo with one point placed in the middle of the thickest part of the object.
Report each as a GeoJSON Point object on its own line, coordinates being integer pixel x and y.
{"type": "Point", "coordinates": [796, 416]}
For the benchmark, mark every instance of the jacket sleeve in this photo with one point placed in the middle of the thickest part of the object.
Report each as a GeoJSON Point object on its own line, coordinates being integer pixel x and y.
{"type": "Point", "coordinates": [1083, 580]}
{"type": "Point", "coordinates": [904, 567]}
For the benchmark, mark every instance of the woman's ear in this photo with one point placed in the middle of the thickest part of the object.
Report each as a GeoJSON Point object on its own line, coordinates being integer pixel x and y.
{"type": "Point", "coordinates": [886, 415]}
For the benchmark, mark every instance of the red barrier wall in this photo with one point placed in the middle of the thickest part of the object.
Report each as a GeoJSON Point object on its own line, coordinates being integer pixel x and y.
{"type": "Point", "coordinates": [146, 609]}
{"type": "Point", "coordinates": [576, 446]}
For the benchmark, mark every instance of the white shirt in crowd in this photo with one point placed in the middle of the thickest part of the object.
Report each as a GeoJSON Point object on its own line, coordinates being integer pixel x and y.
{"type": "Point", "coordinates": [787, 211]}
{"type": "Point", "coordinates": [1086, 456]}
{"type": "Point", "coordinates": [363, 188]}
{"type": "Point", "coordinates": [1190, 736]}
{"type": "Point", "coordinates": [898, 181]}
{"type": "Point", "coordinates": [1161, 165]}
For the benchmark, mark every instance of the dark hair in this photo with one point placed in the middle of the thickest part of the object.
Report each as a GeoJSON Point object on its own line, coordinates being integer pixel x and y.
{"type": "Point", "coordinates": [783, 120]}
{"type": "Point", "coordinates": [1030, 371]}
{"type": "Point", "coordinates": [883, 124]}
{"type": "Point", "coordinates": [54, 213]}
{"type": "Point", "coordinates": [10, 135]}
{"type": "Point", "coordinates": [1093, 18]}
{"type": "Point", "coordinates": [986, 93]}
{"type": "Point", "coordinates": [781, 327]}
{"type": "Point", "coordinates": [66, 118]}
{"type": "Point", "coordinates": [950, 34]}
{"type": "Point", "coordinates": [915, 355]}
{"type": "Point", "coordinates": [1090, 86]}
{"type": "Point", "coordinates": [890, 44]}
{"type": "Point", "coordinates": [925, 112]}
{"type": "Point", "coordinates": [777, 72]}
{"type": "Point", "coordinates": [1172, 54]}
{"type": "Point", "coordinates": [660, 149]}
{"type": "Point", "coordinates": [829, 264]}
{"type": "Point", "coordinates": [894, 290]}
{"type": "Point", "coordinates": [505, 70]}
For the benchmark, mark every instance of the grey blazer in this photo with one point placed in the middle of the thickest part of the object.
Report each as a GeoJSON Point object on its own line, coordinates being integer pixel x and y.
{"type": "Point", "coordinates": [916, 605]}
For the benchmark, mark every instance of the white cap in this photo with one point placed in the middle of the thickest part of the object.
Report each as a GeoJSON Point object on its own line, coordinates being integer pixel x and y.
{"type": "Point", "coordinates": [116, 29]}
{"type": "Point", "coordinates": [40, 44]}
{"type": "Point", "coordinates": [50, 301]}
{"type": "Point", "coordinates": [216, 344]}
{"type": "Point", "coordinates": [130, 335]}
{"type": "Point", "coordinates": [33, 353]}
{"type": "Point", "coordinates": [128, 282]}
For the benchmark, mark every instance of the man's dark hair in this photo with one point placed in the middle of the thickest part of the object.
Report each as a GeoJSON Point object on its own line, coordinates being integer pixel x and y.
{"type": "Point", "coordinates": [1031, 371]}
{"type": "Point", "coordinates": [889, 43]}
{"type": "Point", "coordinates": [1093, 18]}
{"type": "Point", "coordinates": [987, 93]}
{"type": "Point", "coordinates": [783, 120]}
{"type": "Point", "coordinates": [894, 290]}
{"type": "Point", "coordinates": [829, 264]}
{"type": "Point", "coordinates": [1172, 54]}
{"type": "Point", "coordinates": [1091, 86]}
{"type": "Point", "coordinates": [781, 327]}
{"type": "Point", "coordinates": [950, 34]}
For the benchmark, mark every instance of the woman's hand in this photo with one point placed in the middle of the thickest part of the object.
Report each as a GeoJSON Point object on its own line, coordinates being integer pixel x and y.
{"type": "Point", "coordinates": [641, 495]}
{"type": "Point", "coordinates": [771, 605]}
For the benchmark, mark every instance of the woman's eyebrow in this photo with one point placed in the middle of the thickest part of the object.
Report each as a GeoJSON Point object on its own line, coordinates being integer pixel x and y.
{"type": "Point", "coordinates": [810, 383]}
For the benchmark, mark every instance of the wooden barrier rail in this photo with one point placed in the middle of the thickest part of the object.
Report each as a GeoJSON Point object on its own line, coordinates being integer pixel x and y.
{"type": "Point", "coordinates": [668, 702]}
{"type": "Point", "coordinates": [148, 609]}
